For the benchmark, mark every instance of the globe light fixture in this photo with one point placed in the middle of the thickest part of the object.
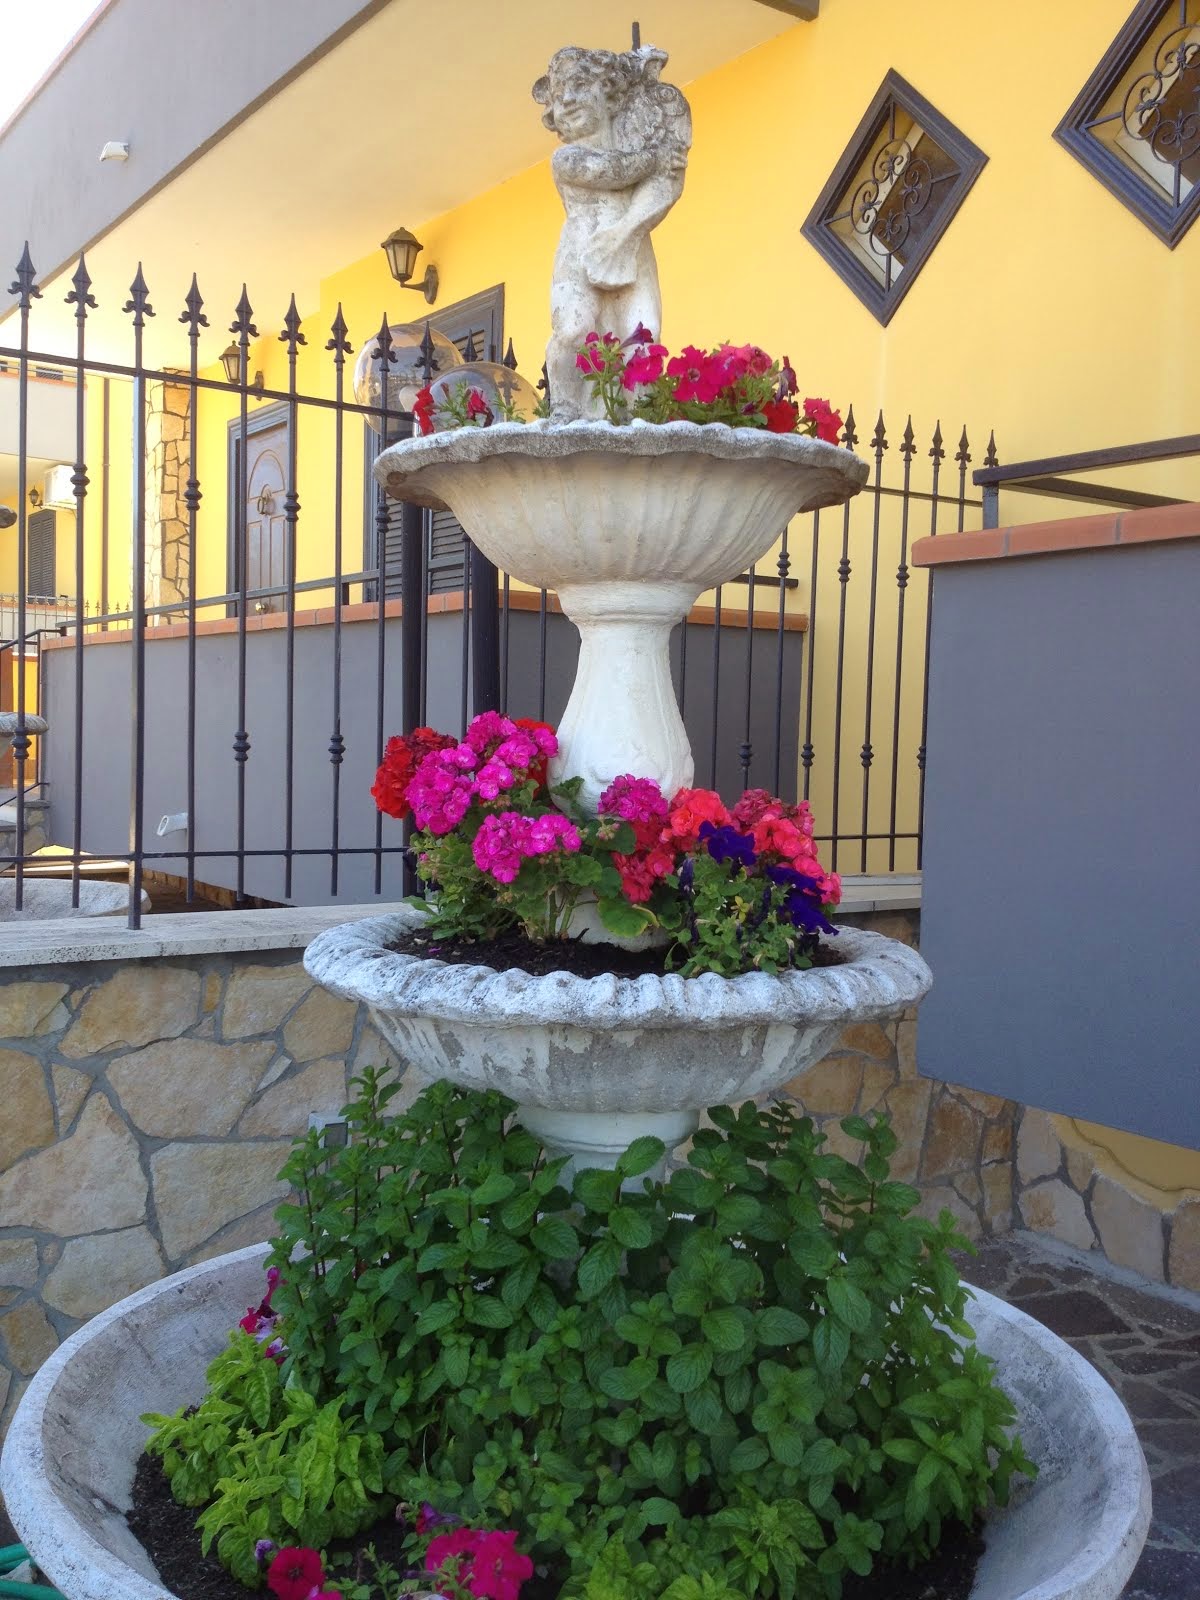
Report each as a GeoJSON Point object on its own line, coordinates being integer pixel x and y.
{"type": "Point", "coordinates": [402, 249]}
{"type": "Point", "coordinates": [405, 369]}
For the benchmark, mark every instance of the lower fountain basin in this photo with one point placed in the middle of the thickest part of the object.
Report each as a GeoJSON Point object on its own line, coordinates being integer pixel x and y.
{"type": "Point", "coordinates": [47, 899]}
{"type": "Point", "coordinates": [67, 1469]}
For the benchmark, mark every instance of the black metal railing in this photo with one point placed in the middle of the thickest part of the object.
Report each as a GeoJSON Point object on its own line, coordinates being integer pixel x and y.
{"type": "Point", "coordinates": [251, 711]}
{"type": "Point", "coordinates": [1056, 477]}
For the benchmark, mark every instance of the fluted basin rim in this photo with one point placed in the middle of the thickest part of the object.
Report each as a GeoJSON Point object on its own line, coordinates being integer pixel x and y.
{"type": "Point", "coordinates": [880, 979]}
{"type": "Point", "coordinates": [398, 468]}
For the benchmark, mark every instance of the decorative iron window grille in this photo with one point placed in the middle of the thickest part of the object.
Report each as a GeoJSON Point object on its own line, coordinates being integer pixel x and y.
{"type": "Point", "coordinates": [1136, 123]}
{"type": "Point", "coordinates": [892, 195]}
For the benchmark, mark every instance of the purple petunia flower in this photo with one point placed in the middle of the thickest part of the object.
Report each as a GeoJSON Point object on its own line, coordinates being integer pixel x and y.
{"type": "Point", "coordinates": [727, 844]}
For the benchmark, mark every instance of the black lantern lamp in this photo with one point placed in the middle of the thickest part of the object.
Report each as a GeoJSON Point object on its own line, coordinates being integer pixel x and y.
{"type": "Point", "coordinates": [231, 360]}
{"type": "Point", "coordinates": [402, 249]}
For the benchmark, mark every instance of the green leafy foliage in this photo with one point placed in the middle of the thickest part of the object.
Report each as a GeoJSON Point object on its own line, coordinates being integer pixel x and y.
{"type": "Point", "coordinates": [750, 1379]}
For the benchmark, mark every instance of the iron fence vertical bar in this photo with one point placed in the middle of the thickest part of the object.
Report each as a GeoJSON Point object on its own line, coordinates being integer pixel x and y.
{"type": "Point", "coordinates": [482, 588]}
{"type": "Point", "coordinates": [81, 298]}
{"type": "Point", "coordinates": [505, 621]}
{"type": "Point", "coordinates": [293, 339]}
{"type": "Point", "coordinates": [386, 357]}
{"type": "Point", "coordinates": [849, 439]}
{"type": "Point", "coordinates": [907, 450]}
{"type": "Point", "coordinates": [783, 565]}
{"type": "Point", "coordinates": [193, 316]}
{"type": "Point", "coordinates": [27, 292]}
{"type": "Point", "coordinates": [746, 748]}
{"type": "Point", "coordinates": [963, 458]}
{"type": "Point", "coordinates": [716, 686]}
{"type": "Point", "coordinates": [937, 455]}
{"type": "Point", "coordinates": [806, 749]}
{"type": "Point", "coordinates": [464, 676]}
{"type": "Point", "coordinates": [867, 753]}
{"type": "Point", "coordinates": [244, 328]}
{"type": "Point", "coordinates": [339, 345]}
{"type": "Point", "coordinates": [139, 304]}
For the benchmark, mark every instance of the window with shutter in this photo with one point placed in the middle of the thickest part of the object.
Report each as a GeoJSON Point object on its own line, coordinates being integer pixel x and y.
{"type": "Point", "coordinates": [40, 575]}
{"type": "Point", "coordinates": [476, 327]}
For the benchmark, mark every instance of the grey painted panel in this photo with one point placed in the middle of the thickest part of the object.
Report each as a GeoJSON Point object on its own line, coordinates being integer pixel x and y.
{"type": "Point", "coordinates": [167, 76]}
{"type": "Point", "coordinates": [107, 718]}
{"type": "Point", "coordinates": [1062, 835]}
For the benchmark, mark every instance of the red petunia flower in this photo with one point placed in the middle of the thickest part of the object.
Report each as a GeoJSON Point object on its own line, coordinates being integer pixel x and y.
{"type": "Point", "coordinates": [295, 1574]}
{"type": "Point", "coordinates": [782, 415]}
{"type": "Point", "coordinates": [423, 409]}
{"type": "Point", "coordinates": [701, 376]}
{"type": "Point", "coordinates": [489, 1565]}
{"type": "Point", "coordinates": [827, 423]}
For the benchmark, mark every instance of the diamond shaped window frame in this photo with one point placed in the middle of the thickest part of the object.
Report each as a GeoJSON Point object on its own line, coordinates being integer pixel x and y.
{"type": "Point", "coordinates": [882, 301]}
{"type": "Point", "coordinates": [1165, 220]}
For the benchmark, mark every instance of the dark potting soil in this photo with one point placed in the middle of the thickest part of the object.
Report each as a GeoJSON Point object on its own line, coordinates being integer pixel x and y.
{"type": "Point", "coordinates": [513, 951]}
{"type": "Point", "coordinates": [167, 1532]}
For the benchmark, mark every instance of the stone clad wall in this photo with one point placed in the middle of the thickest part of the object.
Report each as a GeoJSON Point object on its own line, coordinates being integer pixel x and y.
{"type": "Point", "coordinates": [147, 1108]}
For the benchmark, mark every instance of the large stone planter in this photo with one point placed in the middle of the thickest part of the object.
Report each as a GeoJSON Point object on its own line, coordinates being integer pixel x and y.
{"type": "Point", "coordinates": [629, 525]}
{"type": "Point", "coordinates": [595, 1062]}
{"type": "Point", "coordinates": [68, 1464]}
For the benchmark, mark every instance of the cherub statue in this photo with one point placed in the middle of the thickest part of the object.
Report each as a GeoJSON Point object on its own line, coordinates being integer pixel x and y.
{"type": "Point", "coordinates": [620, 168]}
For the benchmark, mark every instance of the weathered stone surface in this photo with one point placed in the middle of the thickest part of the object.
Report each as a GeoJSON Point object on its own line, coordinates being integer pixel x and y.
{"type": "Point", "coordinates": [285, 1107]}
{"type": "Point", "coordinates": [1050, 1207]}
{"type": "Point", "coordinates": [969, 1187]}
{"type": "Point", "coordinates": [997, 1178]}
{"type": "Point", "coordinates": [877, 1080]}
{"type": "Point", "coordinates": [71, 1089]}
{"type": "Point", "coordinates": [952, 1137]}
{"type": "Point", "coordinates": [212, 992]}
{"type": "Point", "coordinates": [277, 1068]}
{"type": "Point", "coordinates": [27, 1122]}
{"type": "Point", "coordinates": [908, 1103]}
{"type": "Point", "coordinates": [18, 1263]}
{"type": "Point", "coordinates": [906, 1048]}
{"type": "Point", "coordinates": [27, 1009]}
{"type": "Point", "coordinates": [253, 1229]}
{"type": "Point", "coordinates": [141, 1002]}
{"type": "Point", "coordinates": [1038, 1150]}
{"type": "Point", "coordinates": [97, 1271]}
{"type": "Point", "coordinates": [988, 1105]}
{"type": "Point", "coordinates": [1080, 1167]}
{"type": "Point", "coordinates": [869, 1039]}
{"type": "Point", "coordinates": [184, 1087]}
{"type": "Point", "coordinates": [200, 1188]}
{"type": "Point", "coordinates": [1130, 1229]}
{"type": "Point", "coordinates": [1184, 1259]}
{"type": "Point", "coordinates": [28, 1336]}
{"type": "Point", "coordinates": [942, 1198]}
{"type": "Point", "coordinates": [87, 1182]}
{"type": "Point", "coordinates": [998, 1139]}
{"type": "Point", "coordinates": [258, 998]}
{"type": "Point", "coordinates": [830, 1088]}
{"type": "Point", "coordinates": [323, 1025]}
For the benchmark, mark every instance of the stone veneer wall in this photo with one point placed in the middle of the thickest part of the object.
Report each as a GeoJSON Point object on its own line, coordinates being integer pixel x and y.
{"type": "Point", "coordinates": [1066, 1189]}
{"type": "Point", "coordinates": [168, 451]}
{"type": "Point", "coordinates": [149, 1105]}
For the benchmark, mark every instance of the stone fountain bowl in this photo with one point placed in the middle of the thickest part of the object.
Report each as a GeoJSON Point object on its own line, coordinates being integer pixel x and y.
{"type": "Point", "coordinates": [594, 1062]}
{"type": "Point", "coordinates": [67, 1469]}
{"type": "Point", "coordinates": [48, 899]}
{"type": "Point", "coordinates": [589, 502]}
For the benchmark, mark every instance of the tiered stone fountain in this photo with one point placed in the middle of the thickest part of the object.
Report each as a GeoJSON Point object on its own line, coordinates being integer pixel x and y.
{"type": "Point", "coordinates": [629, 525]}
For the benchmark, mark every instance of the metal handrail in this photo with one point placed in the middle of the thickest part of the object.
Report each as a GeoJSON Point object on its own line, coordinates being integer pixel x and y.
{"type": "Point", "coordinates": [1045, 476]}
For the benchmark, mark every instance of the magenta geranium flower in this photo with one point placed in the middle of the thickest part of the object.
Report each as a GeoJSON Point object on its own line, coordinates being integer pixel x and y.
{"type": "Point", "coordinates": [701, 376]}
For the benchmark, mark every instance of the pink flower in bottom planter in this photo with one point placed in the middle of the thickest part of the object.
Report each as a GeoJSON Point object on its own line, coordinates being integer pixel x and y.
{"type": "Point", "coordinates": [296, 1573]}
{"type": "Point", "coordinates": [489, 1564]}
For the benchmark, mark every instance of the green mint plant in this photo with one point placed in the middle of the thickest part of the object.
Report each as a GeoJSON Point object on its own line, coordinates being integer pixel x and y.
{"type": "Point", "coordinates": [759, 1368]}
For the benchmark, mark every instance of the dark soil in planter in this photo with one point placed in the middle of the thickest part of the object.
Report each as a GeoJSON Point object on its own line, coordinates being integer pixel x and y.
{"type": "Point", "coordinates": [167, 1532]}
{"type": "Point", "coordinates": [514, 952]}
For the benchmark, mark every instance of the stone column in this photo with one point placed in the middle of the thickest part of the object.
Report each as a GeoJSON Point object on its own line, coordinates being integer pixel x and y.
{"type": "Point", "coordinates": [168, 450]}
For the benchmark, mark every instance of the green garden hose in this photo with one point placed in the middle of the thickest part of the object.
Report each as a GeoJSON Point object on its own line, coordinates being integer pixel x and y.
{"type": "Point", "coordinates": [11, 1556]}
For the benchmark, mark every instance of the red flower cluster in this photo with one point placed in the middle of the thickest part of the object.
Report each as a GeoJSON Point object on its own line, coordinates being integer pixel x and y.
{"type": "Point", "coordinates": [423, 409]}
{"type": "Point", "coordinates": [488, 1562]}
{"type": "Point", "coordinates": [297, 1573]}
{"type": "Point", "coordinates": [401, 758]}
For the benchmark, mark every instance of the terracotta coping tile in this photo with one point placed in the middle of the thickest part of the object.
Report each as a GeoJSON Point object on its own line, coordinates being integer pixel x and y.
{"type": "Point", "coordinates": [1065, 533]}
{"type": "Point", "coordinates": [436, 605]}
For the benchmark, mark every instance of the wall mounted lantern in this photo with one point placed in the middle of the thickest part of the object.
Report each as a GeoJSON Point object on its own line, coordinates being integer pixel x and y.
{"type": "Point", "coordinates": [402, 249]}
{"type": "Point", "coordinates": [231, 360]}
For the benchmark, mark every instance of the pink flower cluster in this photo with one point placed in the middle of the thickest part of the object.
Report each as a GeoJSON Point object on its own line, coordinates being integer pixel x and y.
{"type": "Point", "coordinates": [786, 832]}
{"type": "Point", "coordinates": [507, 839]}
{"type": "Point", "coordinates": [496, 753]}
{"type": "Point", "coordinates": [296, 1573]}
{"type": "Point", "coordinates": [640, 802]}
{"type": "Point", "coordinates": [489, 1565]}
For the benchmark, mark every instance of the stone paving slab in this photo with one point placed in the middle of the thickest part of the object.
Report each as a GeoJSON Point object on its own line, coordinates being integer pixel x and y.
{"type": "Point", "coordinates": [1146, 1341]}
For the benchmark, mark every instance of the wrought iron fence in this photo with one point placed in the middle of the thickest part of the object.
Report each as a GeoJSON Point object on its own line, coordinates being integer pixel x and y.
{"type": "Point", "coordinates": [250, 712]}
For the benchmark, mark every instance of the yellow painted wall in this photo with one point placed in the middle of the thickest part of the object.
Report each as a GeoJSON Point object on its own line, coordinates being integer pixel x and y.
{"type": "Point", "coordinates": [1163, 1174]}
